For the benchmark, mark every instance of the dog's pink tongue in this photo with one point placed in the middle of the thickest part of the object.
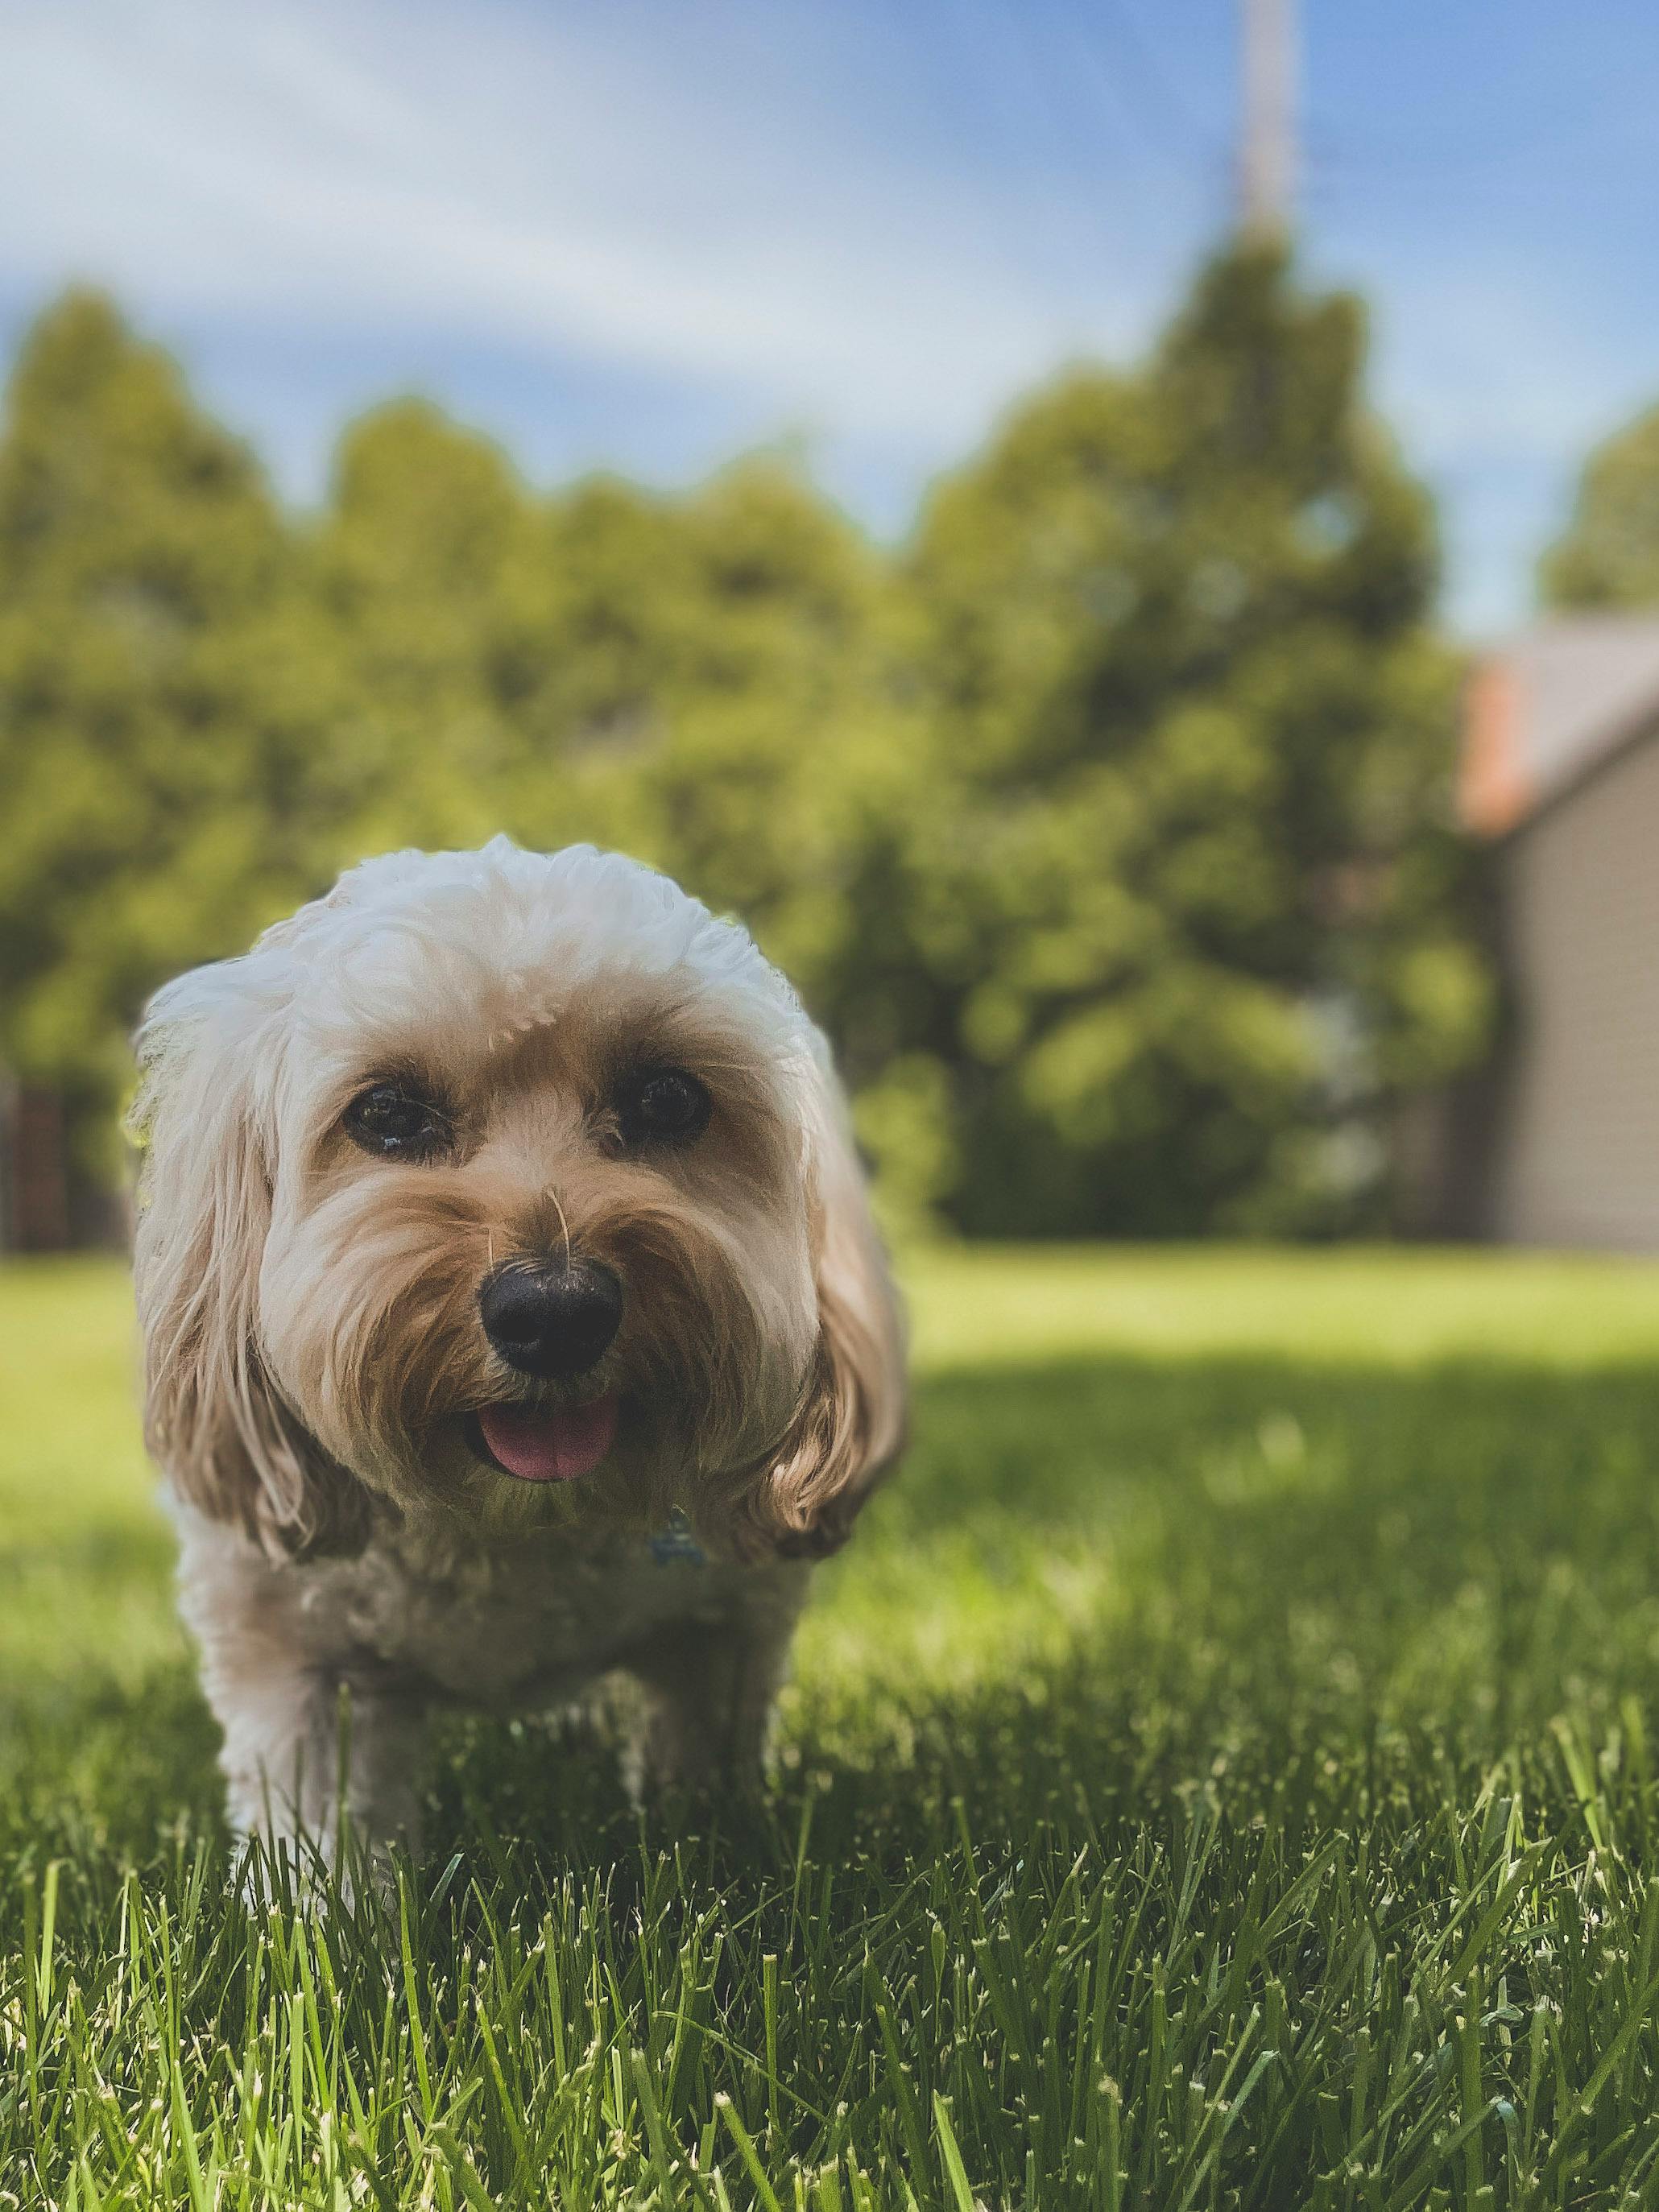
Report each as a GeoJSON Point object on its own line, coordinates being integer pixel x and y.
{"type": "Point", "coordinates": [549, 1443]}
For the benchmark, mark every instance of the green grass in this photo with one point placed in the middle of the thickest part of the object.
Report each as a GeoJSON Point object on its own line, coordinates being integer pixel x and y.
{"type": "Point", "coordinates": [1224, 1772]}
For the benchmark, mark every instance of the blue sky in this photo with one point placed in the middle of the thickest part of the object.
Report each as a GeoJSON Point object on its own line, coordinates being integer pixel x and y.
{"type": "Point", "coordinates": [646, 234]}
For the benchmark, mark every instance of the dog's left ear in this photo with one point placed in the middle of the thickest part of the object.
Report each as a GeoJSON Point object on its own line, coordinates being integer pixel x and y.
{"type": "Point", "coordinates": [849, 1426]}
{"type": "Point", "coordinates": [213, 1417]}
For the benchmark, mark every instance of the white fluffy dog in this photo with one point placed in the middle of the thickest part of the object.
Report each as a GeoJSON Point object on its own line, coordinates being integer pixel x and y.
{"type": "Point", "coordinates": [513, 1314]}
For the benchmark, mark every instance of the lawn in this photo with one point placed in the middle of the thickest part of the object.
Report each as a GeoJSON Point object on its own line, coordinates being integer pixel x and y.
{"type": "Point", "coordinates": [1221, 1772]}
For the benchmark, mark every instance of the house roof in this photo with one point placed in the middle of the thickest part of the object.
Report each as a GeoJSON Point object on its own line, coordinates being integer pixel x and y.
{"type": "Point", "coordinates": [1550, 705]}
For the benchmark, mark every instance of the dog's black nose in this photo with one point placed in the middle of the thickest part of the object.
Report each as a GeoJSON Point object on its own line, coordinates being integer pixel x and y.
{"type": "Point", "coordinates": [551, 1319]}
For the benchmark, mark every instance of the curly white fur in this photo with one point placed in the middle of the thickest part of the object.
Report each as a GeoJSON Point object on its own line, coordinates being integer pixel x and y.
{"type": "Point", "coordinates": [314, 1349]}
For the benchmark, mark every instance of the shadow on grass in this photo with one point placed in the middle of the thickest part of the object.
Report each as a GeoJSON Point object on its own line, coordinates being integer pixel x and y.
{"type": "Point", "coordinates": [1214, 1576]}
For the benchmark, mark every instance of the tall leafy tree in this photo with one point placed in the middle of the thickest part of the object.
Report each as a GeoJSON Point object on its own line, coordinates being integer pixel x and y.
{"type": "Point", "coordinates": [745, 749]}
{"type": "Point", "coordinates": [1608, 556]}
{"type": "Point", "coordinates": [1178, 918]}
{"type": "Point", "coordinates": [162, 700]}
{"type": "Point", "coordinates": [1105, 830]}
{"type": "Point", "coordinates": [704, 680]}
{"type": "Point", "coordinates": [431, 571]}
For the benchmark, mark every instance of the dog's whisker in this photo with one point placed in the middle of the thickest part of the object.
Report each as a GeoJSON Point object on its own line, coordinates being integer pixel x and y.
{"type": "Point", "coordinates": [564, 1225]}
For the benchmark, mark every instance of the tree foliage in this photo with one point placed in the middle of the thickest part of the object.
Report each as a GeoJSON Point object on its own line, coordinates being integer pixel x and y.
{"type": "Point", "coordinates": [1188, 915]}
{"type": "Point", "coordinates": [1103, 826]}
{"type": "Point", "coordinates": [165, 722]}
{"type": "Point", "coordinates": [1608, 556]}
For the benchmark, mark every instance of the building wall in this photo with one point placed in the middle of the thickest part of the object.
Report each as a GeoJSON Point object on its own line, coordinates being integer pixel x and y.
{"type": "Point", "coordinates": [1577, 1136]}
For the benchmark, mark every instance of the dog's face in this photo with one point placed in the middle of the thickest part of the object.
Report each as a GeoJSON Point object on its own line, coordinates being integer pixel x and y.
{"type": "Point", "coordinates": [514, 1187]}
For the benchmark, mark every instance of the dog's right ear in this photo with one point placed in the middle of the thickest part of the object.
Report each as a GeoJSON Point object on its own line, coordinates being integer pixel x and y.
{"type": "Point", "coordinates": [213, 1419]}
{"type": "Point", "coordinates": [849, 1425]}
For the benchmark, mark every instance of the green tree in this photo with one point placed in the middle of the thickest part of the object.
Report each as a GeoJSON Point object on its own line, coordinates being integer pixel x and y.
{"type": "Point", "coordinates": [1106, 831]}
{"type": "Point", "coordinates": [743, 672]}
{"type": "Point", "coordinates": [432, 570]}
{"type": "Point", "coordinates": [161, 699]}
{"type": "Point", "coordinates": [1608, 556]}
{"type": "Point", "coordinates": [1179, 917]}
{"type": "Point", "coordinates": [706, 680]}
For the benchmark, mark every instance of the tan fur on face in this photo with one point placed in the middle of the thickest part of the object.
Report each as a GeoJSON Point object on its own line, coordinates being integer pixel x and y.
{"type": "Point", "coordinates": [311, 1313]}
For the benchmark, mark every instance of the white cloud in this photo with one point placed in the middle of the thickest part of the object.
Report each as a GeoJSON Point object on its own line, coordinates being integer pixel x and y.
{"type": "Point", "coordinates": [1498, 382]}
{"type": "Point", "coordinates": [587, 182]}
{"type": "Point", "coordinates": [872, 220]}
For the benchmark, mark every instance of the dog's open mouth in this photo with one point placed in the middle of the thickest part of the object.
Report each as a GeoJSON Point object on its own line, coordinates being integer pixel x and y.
{"type": "Point", "coordinates": [544, 1443]}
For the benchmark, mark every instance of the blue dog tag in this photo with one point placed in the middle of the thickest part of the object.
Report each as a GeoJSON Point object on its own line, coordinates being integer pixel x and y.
{"type": "Point", "coordinates": [675, 1544]}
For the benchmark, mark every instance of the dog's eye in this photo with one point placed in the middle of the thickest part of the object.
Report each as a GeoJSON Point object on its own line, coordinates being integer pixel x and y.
{"type": "Point", "coordinates": [396, 1123]}
{"type": "Point", "coordinates": [663, 1103]}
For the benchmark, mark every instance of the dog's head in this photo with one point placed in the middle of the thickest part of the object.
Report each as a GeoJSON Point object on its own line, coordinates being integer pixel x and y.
{"type": "Point", "coordinates": [516, 1187]}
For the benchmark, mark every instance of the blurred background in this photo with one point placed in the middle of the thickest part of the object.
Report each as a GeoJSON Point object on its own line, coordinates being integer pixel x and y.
{"type": "Point", "coordinates": [1122, 540]}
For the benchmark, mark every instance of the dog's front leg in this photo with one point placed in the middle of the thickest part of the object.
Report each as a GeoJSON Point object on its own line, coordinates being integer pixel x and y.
{"type": "Point", "coordinates": [296, 1737]}
{"type": "Point", "coordinates": [303, 1713]}
{"type": "Point", "coordinates": [710, 1686]}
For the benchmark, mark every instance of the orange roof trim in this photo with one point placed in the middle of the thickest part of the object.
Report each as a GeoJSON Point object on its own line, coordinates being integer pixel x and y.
{"type": "Point", "coordinates": [1494, 791]}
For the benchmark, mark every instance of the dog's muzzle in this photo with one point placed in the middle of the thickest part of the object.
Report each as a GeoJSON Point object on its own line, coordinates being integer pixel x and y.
{"type": "Point", "coordinates": [552, 1319]}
